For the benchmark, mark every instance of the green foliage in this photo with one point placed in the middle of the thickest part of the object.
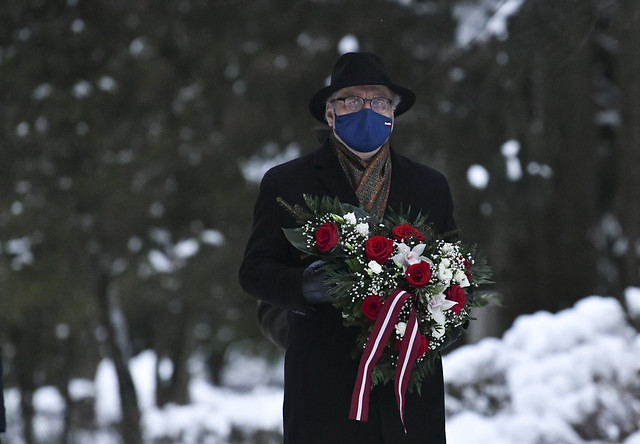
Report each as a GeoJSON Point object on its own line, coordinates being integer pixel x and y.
{"type": "Point", "coordinates": [401, 216]}
{"type": "Point", "coordinates": [319, 205]}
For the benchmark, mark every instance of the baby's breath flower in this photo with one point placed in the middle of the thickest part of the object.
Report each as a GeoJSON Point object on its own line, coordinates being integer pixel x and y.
{"type": "Point", "coordinates": [448, 249]}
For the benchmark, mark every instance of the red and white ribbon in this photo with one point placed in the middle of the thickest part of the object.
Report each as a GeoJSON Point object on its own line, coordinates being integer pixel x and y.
{"type": "Point", "coordinates": [409, 351]}
{"type": "Point", "coordinates": [382, 329]}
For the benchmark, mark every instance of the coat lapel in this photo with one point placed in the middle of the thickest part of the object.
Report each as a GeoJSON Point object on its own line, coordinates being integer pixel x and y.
{"type": "Point", "coordinates": [400, 185]}
{"type": "Point", "coordinates": [330, 174]}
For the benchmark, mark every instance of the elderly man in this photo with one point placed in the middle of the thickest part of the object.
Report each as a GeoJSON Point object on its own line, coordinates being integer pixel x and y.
{"type": "Point", "coordinates": [357, 165]}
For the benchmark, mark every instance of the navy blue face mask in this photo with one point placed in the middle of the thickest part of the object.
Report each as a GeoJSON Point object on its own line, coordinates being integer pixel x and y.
{"type": "Point", "coordinates": [363, 131]}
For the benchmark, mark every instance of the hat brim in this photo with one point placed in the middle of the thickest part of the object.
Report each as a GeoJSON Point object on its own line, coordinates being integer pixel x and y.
{"type": "Point", "coordinates": [317, 104]}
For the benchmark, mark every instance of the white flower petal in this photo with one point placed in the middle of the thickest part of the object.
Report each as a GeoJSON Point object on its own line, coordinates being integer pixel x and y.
{"type": "Point", "coordinates": [438, 315]}
{"type": "Point", "coordinates": [375, 267]}
{"type": "Point", "coordinates": [399, 260]}
{"type": "Point", "coordinates": [362, 229]}
{"type": "Point", "coordinates": [412, 258]}
{"type": "Point", "coordinates": [462, 279]}
{"type": "Point", "coordinates": [445, 275]}
{"type": "Point", "coordinates": [350, 218]}
{"type": "Point", "coordinates": [447, 304]}
{"type": "Point", "coordinates": [438, 304]}
{"type": "Point", "coordinates": [436, 332]}
{"type": "Point", "coordinates": [448, 249]}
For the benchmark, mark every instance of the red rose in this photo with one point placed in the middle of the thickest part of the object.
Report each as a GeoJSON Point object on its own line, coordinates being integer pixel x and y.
{"type": "Point", "coordinates": [371, 306]}
{"type": "Point", "coordinates": [424, 345]}
{"type": "Point", "coordinates": [378, 248]}
{"type": "Point", "coordinates": [455, 293]}
{"type": "Point", "coordinates": [418, 275]}
{"type": "Point", "coordinates": [467, 267]}
{"type": "Point", "coordinates": [406, 231]}
{"type": "Point", "coordinates": [326, 236]}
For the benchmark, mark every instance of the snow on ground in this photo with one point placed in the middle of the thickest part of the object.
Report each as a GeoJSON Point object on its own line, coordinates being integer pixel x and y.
{"type": "Point", "coordinates": [570, 377]}
{"type": "Point", "coordinates": [564, 378]}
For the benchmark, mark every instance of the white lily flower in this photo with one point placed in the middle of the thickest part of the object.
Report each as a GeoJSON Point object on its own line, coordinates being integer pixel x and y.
{"type": "Point", "coordinates": [350, 218]}
{"type": "Point", "coordinates": [401, 327]}
{"type": "Point", "coordinates": [461, 278]}
{"type": "Point", "coordinates": [374, 267]}
{"type": "Point", "coordinates": [437, 305]}
{"type": "Point", "coordinates": [408, 256]}
{"type": "Point", "coordinates": [436, 332]}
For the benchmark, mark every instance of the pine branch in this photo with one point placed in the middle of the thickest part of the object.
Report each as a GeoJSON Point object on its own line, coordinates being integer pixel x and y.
{"type": "Point", "coordinates": [297, 211]}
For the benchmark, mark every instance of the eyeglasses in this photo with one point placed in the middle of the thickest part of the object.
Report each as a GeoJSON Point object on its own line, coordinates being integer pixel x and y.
{"type": "Point", "coordinates": [381, 105]}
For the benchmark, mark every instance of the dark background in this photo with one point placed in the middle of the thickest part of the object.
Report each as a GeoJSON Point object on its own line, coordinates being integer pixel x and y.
{"type": "Point", "coordinates": [125, 126]}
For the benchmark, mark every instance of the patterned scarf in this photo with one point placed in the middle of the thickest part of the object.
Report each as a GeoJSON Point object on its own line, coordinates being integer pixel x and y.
{"type": "Point", "coordinates": [370, 180]}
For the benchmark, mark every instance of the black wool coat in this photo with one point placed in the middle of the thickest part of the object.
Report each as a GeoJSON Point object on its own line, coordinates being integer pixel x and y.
{"type": "Point", "coordinates": [320, 369]}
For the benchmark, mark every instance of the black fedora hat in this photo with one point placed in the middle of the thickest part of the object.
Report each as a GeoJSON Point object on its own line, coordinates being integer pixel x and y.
{"type": "Point", "coordinates": [359, 68]}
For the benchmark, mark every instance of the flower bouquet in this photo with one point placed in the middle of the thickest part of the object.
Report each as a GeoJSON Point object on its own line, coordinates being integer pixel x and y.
{"type": "Point", "coordinates": [405, 287]}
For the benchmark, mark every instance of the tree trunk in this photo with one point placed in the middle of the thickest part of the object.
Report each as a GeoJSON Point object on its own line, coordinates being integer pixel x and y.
{"type": "Point", "coordinates": [175, 343]}
{"type": "Point", "coordinates": [627, 24]}
{"type": "Point", "coordinates": [24, 369]}
{"type": "Point", "coordinates": [130, 426]}
{"type": "Point", "coordinates": [567, 261]}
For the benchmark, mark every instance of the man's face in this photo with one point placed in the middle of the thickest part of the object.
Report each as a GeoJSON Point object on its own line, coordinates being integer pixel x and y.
{"type": "Point", "coordinates": [364, 91]}
{"type": "Point", "coordinates": [338, 108]}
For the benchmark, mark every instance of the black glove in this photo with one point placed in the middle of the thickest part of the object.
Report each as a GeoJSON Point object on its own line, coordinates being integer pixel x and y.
{"type": "Point", "coordinates": [454, 335]}
{"type": "Point", "coordinates": [314, 288]}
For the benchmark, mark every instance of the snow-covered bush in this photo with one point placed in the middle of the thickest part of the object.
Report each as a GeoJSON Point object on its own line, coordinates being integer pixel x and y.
{"type": "Point", "coordinates": [569, 377]}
